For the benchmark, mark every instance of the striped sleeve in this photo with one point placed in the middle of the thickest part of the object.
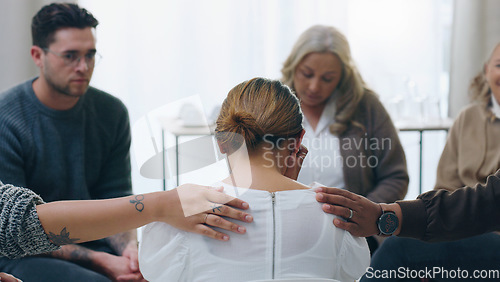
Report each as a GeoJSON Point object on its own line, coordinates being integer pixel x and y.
{"type": "Point", "coordinates": [21, 232]}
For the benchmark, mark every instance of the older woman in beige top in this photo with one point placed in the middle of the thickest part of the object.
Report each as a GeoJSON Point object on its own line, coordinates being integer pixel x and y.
{"type": "Point", "coordinates": [472, 152]}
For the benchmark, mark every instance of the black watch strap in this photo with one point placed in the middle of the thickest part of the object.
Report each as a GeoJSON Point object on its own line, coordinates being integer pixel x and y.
{"type": "Point", "coordinates": [387, 223]}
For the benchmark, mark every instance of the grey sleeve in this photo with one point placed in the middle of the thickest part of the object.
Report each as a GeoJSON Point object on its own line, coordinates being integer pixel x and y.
{"type": "Point", "coordinates": [21, 232]}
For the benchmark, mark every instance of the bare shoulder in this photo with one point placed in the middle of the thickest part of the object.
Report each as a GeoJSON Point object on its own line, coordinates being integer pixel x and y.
{"type": "Point", "coordinates": [290, 184]}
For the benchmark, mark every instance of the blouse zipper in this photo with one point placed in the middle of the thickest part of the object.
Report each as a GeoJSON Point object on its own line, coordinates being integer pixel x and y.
{"type": "Point", "coordinates": [273, 197]}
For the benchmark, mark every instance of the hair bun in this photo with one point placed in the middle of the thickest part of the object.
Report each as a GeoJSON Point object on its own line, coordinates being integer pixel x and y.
{"type": "Point", "coordinates": [240, 125]}
{"type": "Point", "coordinates": [254, 109]}
{"type": "Point", "coordinates": [246, 125]}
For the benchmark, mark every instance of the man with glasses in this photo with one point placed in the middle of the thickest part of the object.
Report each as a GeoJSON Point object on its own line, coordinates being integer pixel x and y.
{"type": "Point", "coordinates": [68, 141]}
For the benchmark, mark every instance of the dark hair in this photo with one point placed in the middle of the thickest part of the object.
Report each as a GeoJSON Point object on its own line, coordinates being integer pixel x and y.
{"type": "Point", "coordinates": [55, 16]}
{"type": "Point", "coordinates": [257, 109]}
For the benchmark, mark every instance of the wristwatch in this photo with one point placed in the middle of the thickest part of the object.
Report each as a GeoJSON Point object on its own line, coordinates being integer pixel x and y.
{"type": "Point", "coordinates": [387, 223]}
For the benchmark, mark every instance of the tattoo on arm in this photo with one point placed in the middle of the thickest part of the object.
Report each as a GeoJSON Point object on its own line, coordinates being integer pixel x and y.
{"type": "Point", "coordinates": [73, 253]}
{"type": "Point", "coordinates": [120, 241]}
{"type": "Point", "coordinates": [138, 202]}
{"type": "Point", "coordinates": [80, 254]}
{"type": "Point", "coordinates": [62, 238]}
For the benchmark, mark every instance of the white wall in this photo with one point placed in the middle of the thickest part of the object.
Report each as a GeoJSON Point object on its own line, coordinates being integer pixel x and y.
{"type": "Point", "coordinates": [15, 34]}
{"type": "Point", "coordinates": [155, 52]}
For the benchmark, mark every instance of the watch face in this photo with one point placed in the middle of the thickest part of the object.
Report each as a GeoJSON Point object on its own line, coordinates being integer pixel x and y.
{"type": "Point", "coordinates": [388, 223]}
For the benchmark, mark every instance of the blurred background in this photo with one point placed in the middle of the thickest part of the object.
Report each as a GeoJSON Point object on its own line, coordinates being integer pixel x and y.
{"type": "Point", "coordinates": [418, 55]}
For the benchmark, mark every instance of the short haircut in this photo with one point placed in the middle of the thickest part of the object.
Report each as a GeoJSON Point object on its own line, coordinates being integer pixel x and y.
{"type": "Point", "coordinates": [56, 16]}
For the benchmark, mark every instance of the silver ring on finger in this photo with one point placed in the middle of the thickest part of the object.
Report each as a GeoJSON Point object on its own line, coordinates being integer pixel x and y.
{"type": "Point", "coordinates": [205, 220]}
{"type": "Point", "coordinates": [351, 214]}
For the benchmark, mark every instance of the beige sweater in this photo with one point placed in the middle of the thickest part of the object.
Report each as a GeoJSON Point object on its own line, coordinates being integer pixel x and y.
{"type": "Point", "coordinates": [472, 151]}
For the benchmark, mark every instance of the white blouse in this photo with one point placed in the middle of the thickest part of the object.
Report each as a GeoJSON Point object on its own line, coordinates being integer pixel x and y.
{"type": "Point", "coordinates": [290, 237]}
{"type": "Point", "coordinates": [323, 163]}
{"type": "Point", "coordinates": [495, 107]}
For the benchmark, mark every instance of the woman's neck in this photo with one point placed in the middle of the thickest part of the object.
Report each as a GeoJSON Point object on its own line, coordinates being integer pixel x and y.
{"type": "Point", "coordinates": [313, 114]}
{"type": "Point", "coordinates": [261, 172]}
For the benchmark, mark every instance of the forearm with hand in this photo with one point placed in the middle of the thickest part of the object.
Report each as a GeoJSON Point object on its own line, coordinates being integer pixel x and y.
{"type": "Point", "coordinates": [70, 222]}
{"type": "Point", "coordinates": [80, 221]}
{"type": "Point", "coordinates": [113, 266]}
{"type": "Point", "coordinates": [365, 213]}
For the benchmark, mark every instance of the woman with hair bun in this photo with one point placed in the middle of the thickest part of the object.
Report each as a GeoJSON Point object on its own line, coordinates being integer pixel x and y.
{"type": "Point", "coordinates": [260, 129]}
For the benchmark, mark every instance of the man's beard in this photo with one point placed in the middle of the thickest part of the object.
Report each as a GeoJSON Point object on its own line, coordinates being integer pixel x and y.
{"type": "Point", "coordinates": [62, 89]}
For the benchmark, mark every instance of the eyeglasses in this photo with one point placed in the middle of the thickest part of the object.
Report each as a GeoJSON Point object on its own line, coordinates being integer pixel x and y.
{"type": "Point", "coordinates": [71, 59]}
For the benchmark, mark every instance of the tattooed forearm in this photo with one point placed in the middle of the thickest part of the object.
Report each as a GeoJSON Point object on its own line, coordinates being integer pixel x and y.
{"type": "Point", "coordinates": [138, 202]}
{"type": "Point", "coordinates": [80, 255]}
{"type": "Point", "coordinates": [73, 253]}
{"type": "Point", "coordinates": [62, 238]}
{"type": "Point", "coordinates": [120, 241]}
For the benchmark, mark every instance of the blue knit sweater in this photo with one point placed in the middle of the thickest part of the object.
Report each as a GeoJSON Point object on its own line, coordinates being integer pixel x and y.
{"type": "Point", "coordinates": [77, 154]}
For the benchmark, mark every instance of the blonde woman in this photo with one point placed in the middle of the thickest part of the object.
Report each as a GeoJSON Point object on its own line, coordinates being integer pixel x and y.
{"type": "Point", "coordinates": [260, 128]}
{"type": "Point", "coordinates": [351, 139]}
